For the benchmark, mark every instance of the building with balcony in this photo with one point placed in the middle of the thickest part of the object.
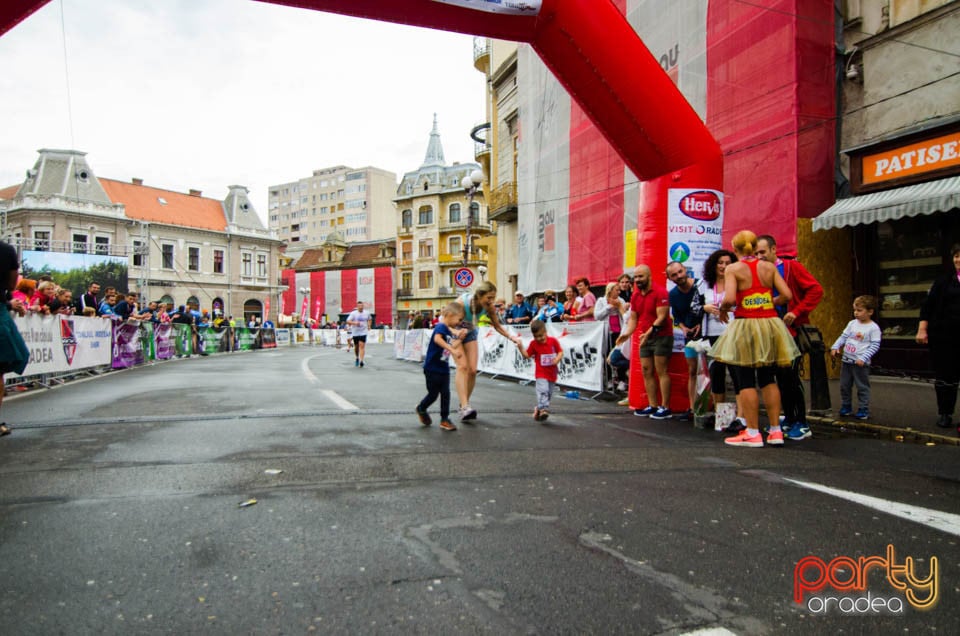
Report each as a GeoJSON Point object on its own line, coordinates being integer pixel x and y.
{"type": "Point", "coordinates": [496, 144]}
{"type": "Point", "coordinates": [439, 229]}
{"type": "Point", "coordinates": [357, 203]}
{"type": "Point", "coordinates": [185, 249]}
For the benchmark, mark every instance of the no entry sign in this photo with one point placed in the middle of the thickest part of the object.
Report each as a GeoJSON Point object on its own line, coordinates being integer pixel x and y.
{"type": "Point", "coordinates": [463, 277]}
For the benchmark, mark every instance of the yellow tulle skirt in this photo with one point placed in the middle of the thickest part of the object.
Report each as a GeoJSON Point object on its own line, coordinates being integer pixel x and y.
{"type": "Point", "coordinates": [756, 342]}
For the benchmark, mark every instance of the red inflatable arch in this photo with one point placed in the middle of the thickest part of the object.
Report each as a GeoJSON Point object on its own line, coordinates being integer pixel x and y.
{"type": "Point", "coordinates": [596, 55]}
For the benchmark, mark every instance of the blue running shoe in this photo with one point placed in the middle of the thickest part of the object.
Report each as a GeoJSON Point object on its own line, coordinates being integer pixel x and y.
{"type": "Point", "coordinates": [844, 411]}
{"type": "Point", "coordinates": [862, 414]}
{"type": "Point", "coordinates": [662, 413]}
{"type": "Point", "coordinates": [645, 412]}
{"type": "Point", "coordinates": [798, 432]}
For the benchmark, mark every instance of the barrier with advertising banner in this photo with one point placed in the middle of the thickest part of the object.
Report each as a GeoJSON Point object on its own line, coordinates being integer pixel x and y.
{"type": "Point", "coordinates": [581, 366]}
{"type": "Point", "coordinates": [61, 344]}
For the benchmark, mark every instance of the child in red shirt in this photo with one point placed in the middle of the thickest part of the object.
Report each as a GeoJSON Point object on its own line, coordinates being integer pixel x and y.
{"type": "Point", "coordinates": [546, 353]}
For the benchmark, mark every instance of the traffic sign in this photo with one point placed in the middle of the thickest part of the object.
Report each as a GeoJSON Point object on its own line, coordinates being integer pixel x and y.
{"type": "Point", "coordinates": [463, 277]}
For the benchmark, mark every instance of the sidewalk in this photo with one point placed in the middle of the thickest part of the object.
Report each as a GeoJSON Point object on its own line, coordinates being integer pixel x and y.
{"type": "Point", "coordinates": [900, 409]}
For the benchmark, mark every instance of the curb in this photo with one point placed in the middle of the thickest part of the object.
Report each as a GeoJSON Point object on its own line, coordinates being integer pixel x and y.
{"type": "Point", "coordinates": [893, 433]}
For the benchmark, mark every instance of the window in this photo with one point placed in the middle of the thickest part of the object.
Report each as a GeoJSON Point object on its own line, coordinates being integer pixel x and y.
{"type": "Point", "coordinates": [406, 280]}
{"type": "Point", "coordinates": [474, 212]}
{"type": "Point", "coordinates": [455, 213]}
{"type": "Point", "coordinates": [295, 227]}
{"type": "Point", "coordinates": [426, 248]}
{"type": "Point", "coordinates": [79, 244]}
{"type": "Point", "coordinates": [406, 218]}
{"type": "Point", "coordinates": [41, 240]}
{"type": "Point", "coordinates": [406, 251]}
{"type": "Point", "coordinates": [217, 261]}
{"type": "Point", "coordinates": [456, 246]}
{"type": "Point", "coordinates": [247, 268]}
{"type": "Point", "coordinates": [261, 265]}
{"type": "Point", "coordinates": [166, 251]}
{"type": "Point", "coordinates": [101, 245]}
{"type": "Point", "coordinates": [193, 259]}
{"type": "Point", "coordinates": [426, 279]}
{"type": "Point", "coordinates": [425, 216]}
{"type": "Point", "coordinates": [138, 250]}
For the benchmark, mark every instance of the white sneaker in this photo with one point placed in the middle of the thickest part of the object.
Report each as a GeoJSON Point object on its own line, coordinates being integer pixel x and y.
{"type": "Point", "coordinates": [467, 413]}
{"type": "Point", "coordinates": [622, 387]}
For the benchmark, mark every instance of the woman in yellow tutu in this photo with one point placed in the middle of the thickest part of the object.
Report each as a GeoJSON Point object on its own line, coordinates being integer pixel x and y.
{"type": "Point", "coordinates": [757, 341]}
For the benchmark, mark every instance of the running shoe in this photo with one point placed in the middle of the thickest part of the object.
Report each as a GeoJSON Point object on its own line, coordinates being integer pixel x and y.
{"type": "Point", "coordinates": [624, 402]}
{"type": "Point", "coordinates": [536, 414]}
{"type": "Point", "coordinates": [662, 413]}
{"type": "Point", "coordinates": [424, 417]}
{"type": "Point", "coordinates": [361, 364]}
{"type": "Point", "coordinates": [798, 432]}
{"type": "Point", "coordinates": [447, 425]}
{"type": "Point", "coordinates": [544, 414]}
{"type": "Point", "coordinates": [775, 438]}
{"type": "Point", "coordinates": [622, 387]}
{"type": "Point", "coordinates": [686, 416]}
{"type": "Point", "coordinates": [645, 412]}
{"type": "Point", "coordinates": [744, 439]}
{"type": "Point", "coordinates": [467, 413]}
{"type": "Point", "coordinates": [844, 411]}
{"type": "Point", "coordinates": [862, 414]}
{"type": "Point", "coordinates": [735, 426]}
{"type": "Point", "coordinates": [356, 362]}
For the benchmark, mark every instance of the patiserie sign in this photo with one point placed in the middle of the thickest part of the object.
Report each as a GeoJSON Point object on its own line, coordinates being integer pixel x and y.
{"type": "Point", "coordinates": [925, 156]}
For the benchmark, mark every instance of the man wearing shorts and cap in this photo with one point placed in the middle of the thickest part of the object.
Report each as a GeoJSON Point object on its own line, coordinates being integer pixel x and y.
{"type": "Point", "coordinates": [650, 313]}
{"type": "Point", "coordinates": [359, 323]}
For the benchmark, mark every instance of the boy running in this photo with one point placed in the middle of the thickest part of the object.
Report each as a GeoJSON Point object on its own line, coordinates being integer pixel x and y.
{"type": "Point", "coordinates": [546, 353]}
{"type": "Point", "coordinates": [444, 342]}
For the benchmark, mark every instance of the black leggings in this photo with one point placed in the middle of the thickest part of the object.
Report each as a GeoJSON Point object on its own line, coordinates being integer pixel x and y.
{"type": "Point", "coordinates": [793, 398]}
{"type": "Point", "coordinates": [946, 369]}
{"type": "Point", "coordinates": [718, 373]}
{"type": "Point", "coordinates": [752, 377]}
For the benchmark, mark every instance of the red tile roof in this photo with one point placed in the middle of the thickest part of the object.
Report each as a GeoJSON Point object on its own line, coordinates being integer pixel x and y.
{"type": "Point", "coordinates": [8, 192]}
{"type": "Point", "coordinates": [143, 203]}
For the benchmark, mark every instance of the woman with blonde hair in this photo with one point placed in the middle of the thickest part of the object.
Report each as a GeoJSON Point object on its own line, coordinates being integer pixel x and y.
{"type": "Point", "coordinates": [477, 305]}
{"type": "Point", "coordinates": [757, 342]}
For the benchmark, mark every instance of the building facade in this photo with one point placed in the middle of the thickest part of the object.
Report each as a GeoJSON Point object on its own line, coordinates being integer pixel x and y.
{"type": "Point", "coordinates": [357, 203]}
{"type": "Point", "coordinates": [184, 249]}
{"type": "Point", "coordinates": [898, 205]}
{"type": "Point", "coordinates": [438, 232]}
{"type": "Point", "coordinates": [497, 144]}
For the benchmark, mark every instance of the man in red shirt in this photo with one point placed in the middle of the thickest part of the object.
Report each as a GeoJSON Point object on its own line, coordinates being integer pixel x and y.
{"type": "Point", "coordinates": [807, 294]}
{"type": "Point", "coordinates": [650, 313]}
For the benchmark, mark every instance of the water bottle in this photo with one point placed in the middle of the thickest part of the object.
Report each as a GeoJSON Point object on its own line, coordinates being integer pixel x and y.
{"type": "Point", "coordinates": [572, 395]}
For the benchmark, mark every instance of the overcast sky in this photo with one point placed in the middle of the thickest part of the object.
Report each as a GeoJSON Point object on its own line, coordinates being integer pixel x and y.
{"type": "Point", "coordinates": [205, 94]}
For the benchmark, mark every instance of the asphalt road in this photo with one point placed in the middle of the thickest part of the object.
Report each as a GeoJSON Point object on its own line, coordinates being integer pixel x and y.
{"type": "Point", "coordinates": [119, 512]}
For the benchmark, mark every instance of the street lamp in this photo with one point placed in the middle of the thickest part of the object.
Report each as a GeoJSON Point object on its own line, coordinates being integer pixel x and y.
{"type": "Point", "coordinates": [483, 272]}
{"type": "Point", "coordinates": [470, 184]}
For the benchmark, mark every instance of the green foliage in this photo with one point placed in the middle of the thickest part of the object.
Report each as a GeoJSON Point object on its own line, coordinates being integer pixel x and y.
{"type": "Point", "coordinates": [107, 273]}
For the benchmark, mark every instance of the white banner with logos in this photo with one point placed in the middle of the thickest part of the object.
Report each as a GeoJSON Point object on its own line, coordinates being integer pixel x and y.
{"type": "Point", "coordinates": [582, 343]}
{"type": "Point", "coordinates": [59, 344]}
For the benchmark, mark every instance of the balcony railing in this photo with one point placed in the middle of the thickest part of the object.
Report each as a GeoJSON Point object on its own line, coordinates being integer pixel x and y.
{"type": "Point", "coordinates": [481, 139]}
{"type": "Point", "coordinates": [447, 291]}
{"type": "Point", "coordinates": [475, 226]}
{"type": "Point", "coordinates": [481, 54]}
{"type": "Point", "coordinates": [405, 292]}
{"type": "Point", "coordinates": [502, 202]}
{"type": "Point", "coordinates": [47, 245]}
{"type": "Point", "coordinates": [407, 261]}
{"type": "Point", "coordinates": [404, 229]}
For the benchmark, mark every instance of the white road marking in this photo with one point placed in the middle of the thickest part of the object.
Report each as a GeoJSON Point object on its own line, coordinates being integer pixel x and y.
{"type": "Point", "coordinates": [330, 394]}
{"type": "Point", "coordinates": [943, 521]}
{"type": "Point", "coordinates": [710, 631]}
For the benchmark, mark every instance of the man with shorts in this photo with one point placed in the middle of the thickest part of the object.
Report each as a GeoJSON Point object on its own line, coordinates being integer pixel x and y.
{"type": "Point", "coordinates": [359, 323]}
{"type": "Point", "coordinates": [650, 313]}
{"type": "Point", "coordinates": [686, 305]}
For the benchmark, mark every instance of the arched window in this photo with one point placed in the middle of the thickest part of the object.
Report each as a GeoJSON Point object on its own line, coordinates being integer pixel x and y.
{"type": "Point", "coordinates": [455, 246]}
{"type": "Point", "coordinates": [454, 212]}
{"type": "Point", "coordinates": [193, 302]}
{"type": "Point", "coordinates": [474, 212]}
{"type": "Point", "coordinates": [167, 299]}
{"type": "Point", "coordinates": [407, 218]}
{"type": "Point", "coordinates": [251, 308]}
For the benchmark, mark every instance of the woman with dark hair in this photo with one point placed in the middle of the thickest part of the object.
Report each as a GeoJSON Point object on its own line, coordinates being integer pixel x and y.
{"type": "Point", "coordinates": [711, 286]}
{"type": "Point", "coordinates": [14, 354]}
{"type": "Point", "coordinates": [940, 329]}
{"type": "Point", "coordinates": [569, 303]}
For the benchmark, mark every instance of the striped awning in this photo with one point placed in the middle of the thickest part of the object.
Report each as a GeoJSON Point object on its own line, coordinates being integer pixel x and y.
{"type": "Point", "coordinates": [924, 198]}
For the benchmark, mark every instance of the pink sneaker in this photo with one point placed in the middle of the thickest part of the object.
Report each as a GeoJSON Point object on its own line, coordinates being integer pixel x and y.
{"type": "Point", "coordinates": [775, 439]}
{"type": "Point", "coordinates": [750, 441]}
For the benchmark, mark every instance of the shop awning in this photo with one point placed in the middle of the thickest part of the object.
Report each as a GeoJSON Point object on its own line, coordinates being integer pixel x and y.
{"type": "Point", "coordinates": [924, 198]}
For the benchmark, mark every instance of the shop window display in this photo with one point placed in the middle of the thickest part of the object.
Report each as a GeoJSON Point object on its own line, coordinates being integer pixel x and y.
{"type": "Point", "coordinates": [910, 259]}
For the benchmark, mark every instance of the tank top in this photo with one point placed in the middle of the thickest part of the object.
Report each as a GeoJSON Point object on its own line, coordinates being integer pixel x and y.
{"type": "Point", "coordinates": [757, 300]}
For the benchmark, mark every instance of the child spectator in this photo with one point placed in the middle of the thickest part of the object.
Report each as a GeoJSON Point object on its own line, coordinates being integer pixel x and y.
{"type": "Point", "coordinates": [444, 342]}
{"type": "Point", "coordinates": [859, 341]}
{"type": "Point", "coordinates": [546, 353]}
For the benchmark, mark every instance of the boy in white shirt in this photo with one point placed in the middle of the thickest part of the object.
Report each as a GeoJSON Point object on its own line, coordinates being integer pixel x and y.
{"type": "Point", "coordinates": [859, 342]}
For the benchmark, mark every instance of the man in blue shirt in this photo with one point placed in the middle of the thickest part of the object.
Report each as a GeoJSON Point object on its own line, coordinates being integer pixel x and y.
{"type": "Point", "coordinates": [519, 313]}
